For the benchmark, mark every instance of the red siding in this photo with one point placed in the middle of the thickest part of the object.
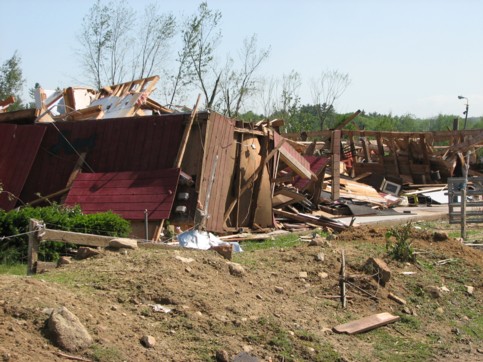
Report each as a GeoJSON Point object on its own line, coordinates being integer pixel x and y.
{"type": "Point", "coordinates": [112, 145]}
{"type": "Point", "coordinates": [18, 148]}
{"type": "Point", "coordinates": [126, 193]}
{"type": "Point", "coordinates": [316, 165]}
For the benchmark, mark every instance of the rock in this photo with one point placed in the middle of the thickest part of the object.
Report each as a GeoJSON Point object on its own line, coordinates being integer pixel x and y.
{"type": "Point", "coordinates": [64, 260]}
{"type": "Point", "coordinates": [379, 266]}
{"type": "Point", "coordinates": [236, 269]}
{"type": "Point", "coordinates": [259, 296]}
{"type": "Point", "coordinates": [434, 292]}
{"type": "Point", "coordinates": [184, 260]}
{"type": "Point", "coordinates": [320, 257]}
{"type": "Point", "coordinates": [279, 290]}
{"type": "Point", "coordinates": [440, 310]}
{"type": "Point", "coordinates": [470, 290]}
{"type": "Point", "coordinates": [222, 356]}
{"type": "Point", "coordinates": [123, 243]}
{"type": "Point", "coordinates": [224, 250]}
{"type": "Point", "coordinates": [148, 341]}
{"type": "Point", "coordinates": [85, 252]}
{"type": "Point", "coordinates": [323, 275]}
{"type": "Point", "coordinates": [319, 241]}
{"type": "Point", "coordinates": [303, 275]}
{"type": "Point", "coordinates": [67, 332]}
{"type": "Point", "coordinates": [440, 236]}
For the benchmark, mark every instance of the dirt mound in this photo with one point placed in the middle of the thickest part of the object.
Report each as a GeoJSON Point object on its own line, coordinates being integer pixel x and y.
{"type": "Point", "coordinates": [282, 308]}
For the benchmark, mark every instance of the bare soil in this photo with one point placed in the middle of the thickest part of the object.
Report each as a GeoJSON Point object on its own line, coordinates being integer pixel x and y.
{"type": "Point", "coordinates": [282, 309]}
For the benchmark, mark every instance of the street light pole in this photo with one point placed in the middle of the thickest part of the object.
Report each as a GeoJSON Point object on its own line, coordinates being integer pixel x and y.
{"type": "Point", "coordinates": [466, 111]}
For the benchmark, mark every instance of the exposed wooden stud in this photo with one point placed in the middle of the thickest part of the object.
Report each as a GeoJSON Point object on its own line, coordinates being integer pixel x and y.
{"type": "Point", "coordinates": [335, 190]}
{"type": "Point", "coordinates": [186, 133]}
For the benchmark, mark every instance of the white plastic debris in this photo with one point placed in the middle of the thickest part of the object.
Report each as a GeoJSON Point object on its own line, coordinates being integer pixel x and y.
{"type": "Point", "coordinates": [203, 240]}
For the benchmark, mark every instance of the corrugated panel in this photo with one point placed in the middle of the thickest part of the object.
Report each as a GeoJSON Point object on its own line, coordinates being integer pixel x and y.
{"type": "Point", "coordinates": [126, 193]}
{"type": "Point", "coordinates": [112, 145]}
{"type": "Point", "coordinates": [316, 165]}
{"type": "Point", "coordinates": [220, 140]}
{"type": "Point", "coordinates": [18, 148]}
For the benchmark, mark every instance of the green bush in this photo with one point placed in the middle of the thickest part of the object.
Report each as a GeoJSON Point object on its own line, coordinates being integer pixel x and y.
{"type": "Point", "coordinates": [14, 250]}
{"type": "Point", "coordinates": [402, 249]}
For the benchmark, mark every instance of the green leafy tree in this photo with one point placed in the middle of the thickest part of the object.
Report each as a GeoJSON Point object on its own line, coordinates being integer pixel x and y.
{"type": "Point", "coordinates": [11, 81]}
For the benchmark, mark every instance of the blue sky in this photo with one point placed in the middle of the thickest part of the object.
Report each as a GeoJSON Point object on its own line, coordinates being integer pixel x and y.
{"type": "Point", "coordinates": [402, 56]}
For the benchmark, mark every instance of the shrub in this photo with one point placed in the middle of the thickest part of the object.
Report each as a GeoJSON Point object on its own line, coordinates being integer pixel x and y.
{"type": "Point", "coordinates": [402, 249]}
{"type": "Point", "coordinates": [14, 222]}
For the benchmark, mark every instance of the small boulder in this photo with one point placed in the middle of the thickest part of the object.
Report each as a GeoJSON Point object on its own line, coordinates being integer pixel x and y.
{"type": "Point", "coordinates": [279, 290]}
{"type": "Point", "coordinates": [236, 269]}
{"type": "Point", "coordinates": [67, 332]}
{"type": "Point", "coordinates": [123, 243]}
{"type": "Point", "coordinates": [222, 356]}
{"type": "Point", "coordinates": [379, 266]}
{"type": "Point", "coordinates": [469, 289]}
{"type": "Point", "coordinates": [148, 341]}
{"type": "Point", "coordinates": [320, 257]}
{"type": "Point", "coordinates": [85, 252]}
{"type": "Point", "coordinates": [64, 260]}
{"type": "Point", "coordinates": [440, 236]}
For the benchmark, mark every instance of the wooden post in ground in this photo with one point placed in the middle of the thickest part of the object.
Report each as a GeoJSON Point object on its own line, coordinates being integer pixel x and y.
{"type": "Point", "coordinates": [342, 280]}
{"type": "Point", "coordinates": [33, 247]}
{"type": "Point", "coordinates": [463, 213]}
{"type": "Point", "coordinates": [335, 187]}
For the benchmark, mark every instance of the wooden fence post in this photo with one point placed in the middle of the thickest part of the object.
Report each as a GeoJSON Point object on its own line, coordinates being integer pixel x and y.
{"type": "Point", "coordinates": [33, 247]}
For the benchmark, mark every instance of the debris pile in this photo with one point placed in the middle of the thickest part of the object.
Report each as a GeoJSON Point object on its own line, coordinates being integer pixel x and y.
{"type": "Point", "coordinates": [117, 149]}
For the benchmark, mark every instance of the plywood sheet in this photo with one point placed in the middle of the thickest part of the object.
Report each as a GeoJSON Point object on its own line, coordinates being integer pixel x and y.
{"type": "Point", "coordinates": [366, 324]}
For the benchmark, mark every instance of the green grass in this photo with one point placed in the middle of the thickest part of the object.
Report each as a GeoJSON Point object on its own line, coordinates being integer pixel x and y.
{"type": "Point", "coordinates": [283, 241]}
{"type": "Point", "coordinates": [389, 346]}
{"type": "Point", "coordinates": [106, 354]}
{"type": "Point", "coordinates": [13, 269]}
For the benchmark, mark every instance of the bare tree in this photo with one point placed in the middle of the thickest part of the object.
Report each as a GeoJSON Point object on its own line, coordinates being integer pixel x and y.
{"type": "Point", "coordinates": [122, 20]}
{"type": "Point", "coordinates": [326, 90]}
{"type": "Point", "coordinates": [94, 38]}
{"type": "Point", "coordinates": [289, 99]}
{"type": "Point", "coordinates": [236, 86]}
{"type": "Point", "coordinates": [196, 59]}
{"type": "Point", "coordinates": [154, 38]}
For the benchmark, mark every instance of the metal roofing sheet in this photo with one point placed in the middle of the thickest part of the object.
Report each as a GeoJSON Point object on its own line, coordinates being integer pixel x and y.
{"type": "Point", "coordinates": [18, 148]}
{"type": "Point", "coordinates": [128, 194]}
{"type": "Point", "coordinates": [316, 165]}
{"type": "Point", "coordinates": [111, 145]}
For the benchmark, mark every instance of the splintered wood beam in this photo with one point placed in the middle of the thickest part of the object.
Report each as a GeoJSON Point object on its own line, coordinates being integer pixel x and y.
{"type": "Point", "coordinates": [348, 120]}
{"type": "Point", "coordinates": [335, 190]}
{"type": "Point", "coordinates": [186, 133]}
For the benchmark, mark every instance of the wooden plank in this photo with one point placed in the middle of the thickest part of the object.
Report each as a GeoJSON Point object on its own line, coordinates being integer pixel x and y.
{"type": "Point", "coordinates": [366, 324]}
{"type": "Point", "coordinates": [186, 133]}
{"type": "Point", "coordinates": [75, 238]}
{"type": "Point", "coordinates": [334, 224]}
{"type": "Point", "coordinates": [335, 166]}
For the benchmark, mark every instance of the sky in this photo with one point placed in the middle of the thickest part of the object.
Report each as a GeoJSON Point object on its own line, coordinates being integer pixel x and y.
{"type": "Point", "coordinates": [402, 56]}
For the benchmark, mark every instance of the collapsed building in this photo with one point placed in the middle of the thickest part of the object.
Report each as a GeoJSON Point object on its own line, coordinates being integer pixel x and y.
{"type": "Point", "coordinates": [118, 150]}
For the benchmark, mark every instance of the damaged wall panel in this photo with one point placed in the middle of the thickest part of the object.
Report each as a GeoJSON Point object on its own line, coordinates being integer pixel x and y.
{"type": "Point", "coordinates": [18, 148]}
